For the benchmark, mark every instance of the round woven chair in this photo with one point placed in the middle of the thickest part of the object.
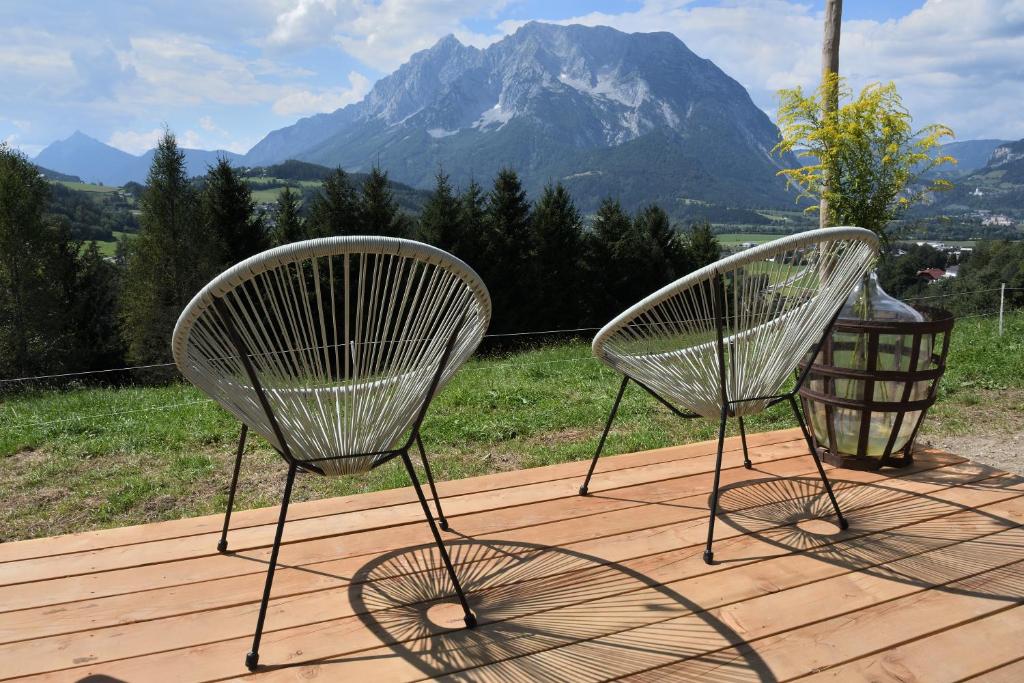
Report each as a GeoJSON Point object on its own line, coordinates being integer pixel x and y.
{"type": "Point", "coordinates": [331, 350]}
{"type": "Point", "coordinates": [722, 341]}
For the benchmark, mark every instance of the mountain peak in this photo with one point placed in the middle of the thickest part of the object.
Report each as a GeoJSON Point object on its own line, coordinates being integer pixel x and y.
{"type": "Point", "coordinates": [552, 101]}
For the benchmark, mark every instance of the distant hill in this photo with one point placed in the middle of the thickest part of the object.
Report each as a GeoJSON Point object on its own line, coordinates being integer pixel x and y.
{"type": "Point", "coordinates": [970, 156]}
{"type": "Point", "coordinates": [57, 175]}
{"type": "Point", "coordinates": [997, 186]}
{"type": "Point", "coordinates": [636, 116]}
{"type": "Point", "coordinates": [276, 176]}
{"type": "Point", "coordinates": [96, 162]}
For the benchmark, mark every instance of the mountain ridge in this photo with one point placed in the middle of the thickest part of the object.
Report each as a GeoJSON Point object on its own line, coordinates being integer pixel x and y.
{"type": "Point", "coordinates": [94, 161]}
{"type": "Point", "coordinates": [569, 104]}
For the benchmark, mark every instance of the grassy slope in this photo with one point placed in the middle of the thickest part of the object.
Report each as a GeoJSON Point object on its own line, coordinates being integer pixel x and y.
{"type": "Point", "coordinates": [168, 453]}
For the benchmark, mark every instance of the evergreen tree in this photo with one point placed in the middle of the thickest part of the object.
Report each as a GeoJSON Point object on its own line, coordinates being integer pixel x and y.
{"type": "Point", "coordinates": [379, 213]}
{"type": "Point", "coordinates": [229, 212]}
{"type": "Point", "coordinates": [507, 245]}
{"type": "Point", "coordinates": [335, 209]}
{"type": "Point", "coordinates": [170, 260]}
{"type": "Point", "coordinates": [288, 223]}
{"type": "Point", "coordinates": [669, 257]}
{"type": "Point", "coordinates": [33, 273]}
{"type": "Point", "coordinates": [702, 244]}
{"type": "Point", "coordinates": [472, 224]}
{"type": "Point", "coordinates": [556, 232]}
{"type": "Point", "coordinates": [440, 221]}
{"type": "Point", "coordinates": [97, 328]}
{"type": "Point", "coordinates": [619, 259]}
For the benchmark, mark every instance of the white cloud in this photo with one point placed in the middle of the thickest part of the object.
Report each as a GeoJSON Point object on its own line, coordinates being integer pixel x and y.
{"type": "Point", "coordinates": [305, 102]}
{"type": "Point", "coordinates": [307, 23]}
{"type": "Point", "coordinates": [136, 142]}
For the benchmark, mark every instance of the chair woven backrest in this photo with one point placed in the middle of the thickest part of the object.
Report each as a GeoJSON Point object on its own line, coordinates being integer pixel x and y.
{"type": "Point", "coordinates": [345, 335]}
{"type": "Point", "coordinates": [779, 298]}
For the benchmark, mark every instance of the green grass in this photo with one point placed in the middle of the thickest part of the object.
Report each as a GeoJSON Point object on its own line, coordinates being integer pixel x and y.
{"type": "Point", "coordinates": [110, 248]}
{"type": "Point", "coordinates": [88, 458]}
{"type": "Point", "coordinates": [736, 238]}
{"type": "Point", "coordinates": [89, 187]}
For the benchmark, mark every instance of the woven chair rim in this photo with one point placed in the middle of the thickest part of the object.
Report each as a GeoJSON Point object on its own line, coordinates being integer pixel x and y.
{"type": "Point", "coordinates": [726, 265]}
{"type": "Point", "coordinates": [320, 247]}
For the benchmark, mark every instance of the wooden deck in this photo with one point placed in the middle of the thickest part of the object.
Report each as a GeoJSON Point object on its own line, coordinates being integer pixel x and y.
{"type": "Point", "coordinates": [926, 585]}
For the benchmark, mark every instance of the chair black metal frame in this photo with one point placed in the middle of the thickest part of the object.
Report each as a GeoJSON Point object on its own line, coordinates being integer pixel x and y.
{"type": "Point", "coordinates": [294, 465]}
{"type": "Point", "coordinates": [718, 305]}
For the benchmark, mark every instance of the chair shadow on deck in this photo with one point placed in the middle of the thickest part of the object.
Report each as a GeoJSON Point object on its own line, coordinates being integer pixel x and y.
{"type": "Point", "coordinates": [545, 614]}
{"type": "Point", "coordinates": [919, 539]}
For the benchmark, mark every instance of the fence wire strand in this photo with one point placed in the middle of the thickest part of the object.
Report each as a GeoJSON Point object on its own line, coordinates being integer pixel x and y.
{"type": "Point", "coordinates": [467, 369]}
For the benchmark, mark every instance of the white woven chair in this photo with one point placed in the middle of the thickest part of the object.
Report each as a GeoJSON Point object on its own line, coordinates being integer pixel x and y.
{"type": "Point", "coordinates": [332, 350]}
{"type": "Point", "coordinates": [721, 341]}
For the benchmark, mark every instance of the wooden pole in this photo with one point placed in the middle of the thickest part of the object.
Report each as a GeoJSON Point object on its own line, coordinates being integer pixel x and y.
{"type": "Point", "coordinates": [830, 65]}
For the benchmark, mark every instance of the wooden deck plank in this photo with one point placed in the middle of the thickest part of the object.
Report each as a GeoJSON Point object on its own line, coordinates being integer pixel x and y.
{"type": "Point", "coordinates": [211, 524]}
{"type": "Point", "coordinates": [655, 556]}
{"type": "Point", "coordinates": [657, 569]}
{"type": "Point", "coordinates": [168, 550]}
{"type": "Point", "coordinates": [998, 637]}
{"type": "Point", "coordinates": [566, 588]}
{"type": "Point", "coordinates": [1014, 671]}
{"type": "Point", "coordinates": [800, 651]}
{"type": "Point", "coordinates": [606, 515]}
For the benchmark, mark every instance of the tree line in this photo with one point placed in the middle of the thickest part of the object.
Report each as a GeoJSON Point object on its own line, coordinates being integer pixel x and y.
{"type": "Point", "coordinates": [63, 307]}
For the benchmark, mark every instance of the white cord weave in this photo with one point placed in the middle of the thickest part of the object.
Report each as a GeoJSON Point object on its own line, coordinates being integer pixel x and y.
{"type": "Point", "coordinates": [780, 296]}
{"type": "Point", "coordinates": [345, 335]}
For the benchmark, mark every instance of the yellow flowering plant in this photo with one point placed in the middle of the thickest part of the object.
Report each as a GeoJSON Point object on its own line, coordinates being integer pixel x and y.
{"type": "Point", "coordinates": [865, 159]}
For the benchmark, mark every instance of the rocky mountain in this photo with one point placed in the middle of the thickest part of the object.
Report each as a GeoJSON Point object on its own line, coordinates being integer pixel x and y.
{"type": "Point", "coordinates": [970, 156]}
{"type": "Point", "coordinates": [638, 116]}
{"type": "Point", "coordinates": [997, 186]}
{"type": "Point", "coordinates": [97, 162]}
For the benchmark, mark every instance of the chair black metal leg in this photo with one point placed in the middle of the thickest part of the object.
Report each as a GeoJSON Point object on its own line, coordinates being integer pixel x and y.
{"type": "Point", "coordinates": [709, 556]}
{"type": "Point", "coordinates": [470, 617]}
{"type": "Point", "coordinates": [441, 521]}
{"type": "Point", "coordinates": [604, 435]}
{"type": "Point", "coordinates": [743, 440]}
{"type": "Point", "coordinates": [252, 659]}
{"type": "Point", "coordinates": [223, 544]}
{"type": "Point", "coordinates": [843, 524]}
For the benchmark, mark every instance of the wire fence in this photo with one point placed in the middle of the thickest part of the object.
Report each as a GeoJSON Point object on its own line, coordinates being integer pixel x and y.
{"type": "Point", "coordinates": [490, 367]}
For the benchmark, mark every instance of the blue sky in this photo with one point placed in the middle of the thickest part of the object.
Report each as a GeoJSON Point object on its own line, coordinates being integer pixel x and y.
{"type": "Point", "coordinates": [222, 73]}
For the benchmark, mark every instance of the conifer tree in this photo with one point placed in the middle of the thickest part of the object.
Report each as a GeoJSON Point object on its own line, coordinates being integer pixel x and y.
{"type": "Point", "coordinates": [669, 257]}
{"type": "Point", "coordinates": [173, 256]}
{"type": "Point", "coordinates": [229, 212]}
{"type": "Point", "coordinates": [440, 221]}
{"type": "Point", "coordinates": [335, 210]}
{"type": "Point", "coordinates": [619, 258]}
{"type": "Point", "coordinates": [97, 327]}
{"type": "Point", "coordinates": [472, 224]}
{"type": "Point", "coordinates": [508, 248]}
{"type": "Point", "coordinates": [379, 213]}
{"type": "Point", "coordinates": [288, 223]}
{"type": "Point", "coordinates": [702, 244]}
{"type": "Point", "coordinates": [556, 232]}
{"type": "Point", "coordinates": [34, 271]}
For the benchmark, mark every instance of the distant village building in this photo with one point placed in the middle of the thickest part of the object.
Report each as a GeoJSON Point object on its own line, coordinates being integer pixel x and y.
{"type": "Point", "coordinates": [932, 274]}
{"type": "Point", "coordinates": [998, 220]}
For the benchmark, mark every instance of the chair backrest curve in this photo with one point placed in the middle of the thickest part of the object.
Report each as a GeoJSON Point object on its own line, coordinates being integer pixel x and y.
{"type": "Point", "coordinates": [779, 297]}
{"type": "Point", "coordinates": [345, 335]}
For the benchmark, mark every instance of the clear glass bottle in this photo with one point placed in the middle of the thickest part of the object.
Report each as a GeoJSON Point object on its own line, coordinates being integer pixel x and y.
{"type": "Point", "coordinates": [869, 302]}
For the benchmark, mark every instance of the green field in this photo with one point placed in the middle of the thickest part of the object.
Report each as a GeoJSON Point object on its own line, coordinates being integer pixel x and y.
{"type": "Point", "coordinates": [269, 196]}
{"type": "Point", "coordinates": [90, 457]}
{"type": "Point", "coordinates": [731, 240]}
{"type": "Point", "coordinates": [110, 248]}
{"type": "Point", "coordinates": [89, 187]}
